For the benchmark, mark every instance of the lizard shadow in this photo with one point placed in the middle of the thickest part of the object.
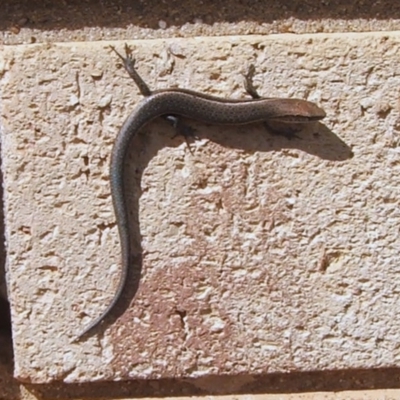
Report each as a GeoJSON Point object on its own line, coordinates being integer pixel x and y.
{"type": "Point", "coordinates": [315, 139]}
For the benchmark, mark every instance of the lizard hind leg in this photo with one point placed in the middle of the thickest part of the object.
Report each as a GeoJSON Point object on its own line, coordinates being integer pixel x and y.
{"type": "Point", "coordinates": [181, 129]}
{"type": "Point", "coordinates": [129, 64]}
{"type": "Point", "coordinates": [248, 82]}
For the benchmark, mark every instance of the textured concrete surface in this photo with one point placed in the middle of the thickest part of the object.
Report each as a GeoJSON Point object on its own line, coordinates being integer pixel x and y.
{"type": "Point", "coordinates": [367, 384]}
{"type": "Point", "coordinates": [260, 254]}
{"type": "Point", "coordinates": [45, 21]}
{"type": "Point", "coordinates": [32, 21]}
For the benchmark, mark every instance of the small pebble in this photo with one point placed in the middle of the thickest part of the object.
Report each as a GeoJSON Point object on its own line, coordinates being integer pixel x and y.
{"type": "Point", "coordinates": [162, 24]}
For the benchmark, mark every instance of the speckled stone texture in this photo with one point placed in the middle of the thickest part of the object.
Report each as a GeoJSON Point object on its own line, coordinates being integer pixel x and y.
{"type": "Point", "coordinates": [256, 254]}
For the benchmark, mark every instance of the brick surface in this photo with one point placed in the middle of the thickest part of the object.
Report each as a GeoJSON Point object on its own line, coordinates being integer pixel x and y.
{"type": "Point", "coordinates": [259, 254]}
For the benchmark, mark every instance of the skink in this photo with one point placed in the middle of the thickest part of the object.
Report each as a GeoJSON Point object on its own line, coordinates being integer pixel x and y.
{"type": "Point", "coordinates": [193, 105]}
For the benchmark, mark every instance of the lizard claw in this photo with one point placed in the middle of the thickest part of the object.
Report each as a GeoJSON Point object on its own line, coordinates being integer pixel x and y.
{"type": "Point", "coordinates": [128, 60]}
